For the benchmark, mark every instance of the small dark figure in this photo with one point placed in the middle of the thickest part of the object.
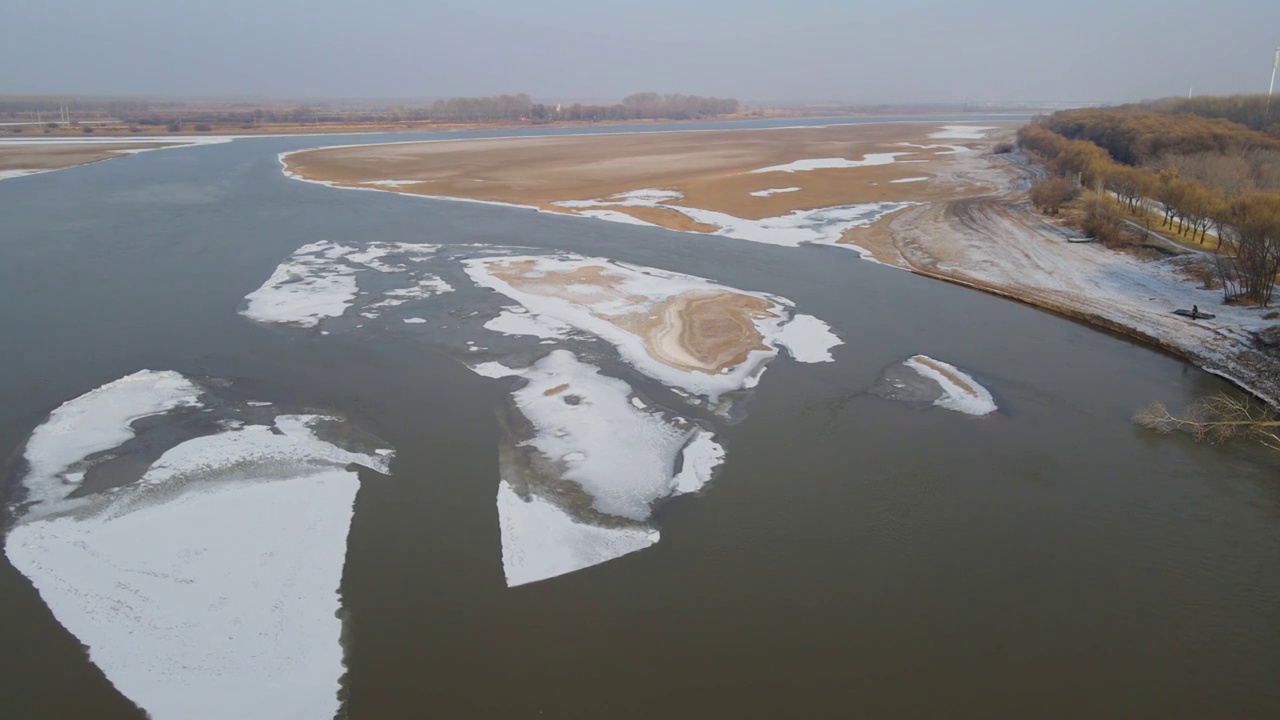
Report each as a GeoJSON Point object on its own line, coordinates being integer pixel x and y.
{"type": "Point", "coordinates": [1195, 310]}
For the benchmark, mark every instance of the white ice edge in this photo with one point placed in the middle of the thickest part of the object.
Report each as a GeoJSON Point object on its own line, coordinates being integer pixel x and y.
{"type": "Point", "coordinates": [95, 422]}
{"type": "Point", "coordinates": [908, 180]}
{"type": "Point", "coordinates": [954, 397]}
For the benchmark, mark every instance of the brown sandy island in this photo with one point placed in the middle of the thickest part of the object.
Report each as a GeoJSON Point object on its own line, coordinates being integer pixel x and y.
{"type": "Point", "coordinates": [710, 169]}
{"type": "Point", "coordinates": [41, 156]}
{"type": "Point", "coordinates": [704, 331]}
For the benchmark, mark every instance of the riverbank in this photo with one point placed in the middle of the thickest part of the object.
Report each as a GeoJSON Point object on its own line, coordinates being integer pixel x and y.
{"type": "Point", "coordinates": [937, 201]}
{"type": "Point", "coordinates": [19, 158]}
{"type": "Point", "coordinates": [997, 243]}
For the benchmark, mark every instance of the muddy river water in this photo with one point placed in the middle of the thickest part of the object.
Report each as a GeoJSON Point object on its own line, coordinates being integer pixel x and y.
{"type": "Point", "coordinates": [853, 555]}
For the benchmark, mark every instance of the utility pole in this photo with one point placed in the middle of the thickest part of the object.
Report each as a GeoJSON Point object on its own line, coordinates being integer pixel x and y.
{"type": "Point", "coordinates": [1274, 64]}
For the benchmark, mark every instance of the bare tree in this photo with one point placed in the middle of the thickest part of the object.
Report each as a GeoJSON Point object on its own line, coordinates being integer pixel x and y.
{"type": "Point", "coordinates": [1217, 419]}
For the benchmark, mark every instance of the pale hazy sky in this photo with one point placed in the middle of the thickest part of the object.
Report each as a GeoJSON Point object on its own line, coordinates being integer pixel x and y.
{"type": "Point", "coordinates": [851, 51]}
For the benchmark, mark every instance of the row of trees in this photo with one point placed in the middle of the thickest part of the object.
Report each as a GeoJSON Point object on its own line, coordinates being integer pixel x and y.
{"type": "Point", "coordinates": [1136, 136]}
{"type": "Point", "coordinates": [1247, 222]}
{"type": "Point", "coordinates": [1252, 111]}
{"type": "Point", "coordinates": [641, 106]}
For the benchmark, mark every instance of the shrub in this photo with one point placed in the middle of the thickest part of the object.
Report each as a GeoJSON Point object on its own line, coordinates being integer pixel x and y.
{"type": "Point", "coordinates": [86, 129]}
{"type": "Point", "coordinates": [202, 127]}
{"type": "Point", "coordinates": [173, 127]}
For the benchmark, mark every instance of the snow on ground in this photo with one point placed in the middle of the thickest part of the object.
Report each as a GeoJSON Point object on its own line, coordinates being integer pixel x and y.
{"type": "Point", "coordinates": [541, 541]}
{"type": "Point", "coordinates": [318, 281]}
{"type": "Point", "coordinates": [639, 290]}
{"type": "Point", "coordinates": [959, 392]}
{"type": "Point", "coordinates": [867, 160]}
{"type": "Point", "coordinates": [821, 226]}
{"type": "Point", "coordinates": [209, 587]}
{"type": "Point", "coordinates": [962, 132]}
{"type": "Point", "coordinates": [908, 180]}
{"type": "Point", "coordinates": [773, 191]}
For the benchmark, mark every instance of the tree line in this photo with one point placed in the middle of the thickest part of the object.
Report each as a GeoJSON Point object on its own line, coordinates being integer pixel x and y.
{"type": "Point", "coordinates": [517, 108]}
{"type": "Point", "coordinates": [1136, 136]}
{"type": "Point", "coordinates": [1177, 177]}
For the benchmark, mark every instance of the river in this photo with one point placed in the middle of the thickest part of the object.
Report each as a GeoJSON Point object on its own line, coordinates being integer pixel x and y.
{"type": "Point", "coordinates": [854, 556]}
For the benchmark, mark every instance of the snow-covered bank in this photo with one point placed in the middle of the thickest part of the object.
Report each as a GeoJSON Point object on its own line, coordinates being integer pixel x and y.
{"type": "Point", "coordinates": [206, 588]}
{"type": "Point", "coordinates": [999, 244]}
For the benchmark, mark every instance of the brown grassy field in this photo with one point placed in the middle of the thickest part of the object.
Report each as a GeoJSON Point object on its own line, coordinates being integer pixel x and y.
{"type": "Point", "coordinates": [711, 169]}
{"type": "Point", "coordinates": [41, 156]}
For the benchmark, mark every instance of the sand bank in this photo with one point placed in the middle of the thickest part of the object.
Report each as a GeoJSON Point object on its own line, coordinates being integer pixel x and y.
{"type": "Point", "coordinates": [739, 174]}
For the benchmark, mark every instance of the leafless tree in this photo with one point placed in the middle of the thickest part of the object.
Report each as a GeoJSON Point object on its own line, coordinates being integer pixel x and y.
{"type": "Point", "coordinates": [1217, 419]}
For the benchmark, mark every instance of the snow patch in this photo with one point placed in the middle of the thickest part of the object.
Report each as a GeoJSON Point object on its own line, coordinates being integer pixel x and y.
{"type": "Point", "coordinates": [868, 160]}
{"type": "Point", "coordinates": [773, 191]}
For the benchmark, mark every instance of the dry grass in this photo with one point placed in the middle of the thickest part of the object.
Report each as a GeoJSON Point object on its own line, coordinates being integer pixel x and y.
{"type": "Point", "coordinates": [712, 169]}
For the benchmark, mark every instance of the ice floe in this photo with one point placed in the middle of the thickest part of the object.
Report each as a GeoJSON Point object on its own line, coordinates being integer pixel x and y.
{"type": "Point", "coordinates": [591, 469]}
{"type": "Point", "coordinates": [97, 421]}
{"type": "Point", "coordinates": [922, 379]}
{"type": "Point", "coordinates": [959, 391]}
{"type": "Point", "coordinates": [319, 281]}
{"type": "Point", "coordinates": [208, 587]}
{"type": "Point", "coordinates": [808, 339]}
{"type": "Point", "coordinates": [542, 541]}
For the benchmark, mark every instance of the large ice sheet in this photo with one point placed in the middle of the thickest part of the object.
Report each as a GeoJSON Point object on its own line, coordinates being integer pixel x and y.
{"type": "Point", "coordinates": [207, 588]}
